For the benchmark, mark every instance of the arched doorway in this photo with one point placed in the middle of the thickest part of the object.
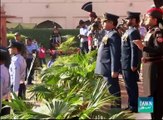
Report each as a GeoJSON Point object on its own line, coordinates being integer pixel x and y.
{"type": "Point", "coordinates": [48, 24]}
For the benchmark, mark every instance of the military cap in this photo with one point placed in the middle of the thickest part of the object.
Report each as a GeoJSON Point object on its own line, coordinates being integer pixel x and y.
{"type": "Point", "coordinates": [155, 12]}
{"type": "Point", "coordinates": [14, 44]}
{"type": "Point", "coordinates": [133, 15]}
{"type": "Point", "coordinates": [3, 54]}
{"type": "Point", "coordinates": [87, 7]}
{"type": "Point", "coordinates": [17, 34]}
{"type": "Point", "coordinates": [108, 16]}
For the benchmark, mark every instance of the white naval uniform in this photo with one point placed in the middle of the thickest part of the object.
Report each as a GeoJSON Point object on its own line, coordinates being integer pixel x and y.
{"type": "Point", "coordinates": [17, 71]}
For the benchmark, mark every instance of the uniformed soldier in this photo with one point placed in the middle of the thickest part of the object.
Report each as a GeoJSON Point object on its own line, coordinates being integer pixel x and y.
{"type": "Point", "coordinates": [108, 57]}
{"type": "Point", "coordinates": [4, 82]}
{"type": "Point", "coordinates": [94, 29]}
{"type": "Point", "coordinates": [130, 59]}
{"type": "Point", "coordinates": [88, 7]}
{"type": "Point", "coordinates": [17, 69]}
{"type": "Point", "coordinates": [153, 60]}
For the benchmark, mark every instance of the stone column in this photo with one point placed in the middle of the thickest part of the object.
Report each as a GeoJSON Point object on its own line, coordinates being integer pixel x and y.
{"type": "Point", "coordinates": [3, 27]}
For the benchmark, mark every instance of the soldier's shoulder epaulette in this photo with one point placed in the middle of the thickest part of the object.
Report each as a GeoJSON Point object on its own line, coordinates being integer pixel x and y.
{"type": "Point", "coordinates": [114, 32]}
{"type": "Point", "coordinates": [135, 29]}
{"type": "Point", "coordinates": [157, 29]}
{"type": "Point", "coordinates": [131, 30]}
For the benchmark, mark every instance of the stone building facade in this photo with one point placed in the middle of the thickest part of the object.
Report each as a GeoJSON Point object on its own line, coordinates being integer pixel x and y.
{"type": "Point", "coordinates": [67, 13]}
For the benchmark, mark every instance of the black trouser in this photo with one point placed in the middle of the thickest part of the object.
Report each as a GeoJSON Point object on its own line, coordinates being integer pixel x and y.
{"type": "Point", "coordinates": [30, 77]}
{"type": "Point", "coordinates": [130, 79]}
{"type": "Point", "coordinates": [114, 89]}
{"type": "Point", "coordinates": [84, 47]}
{"type": "Point", "coordinates": [5, 110]}
{"type": "Point", "coordinates": [42, 61]}
{"type": "Point", "coordinates": [158, 107]}
{"type": "Point", "coordinates": [153, 81]}
{"type": "Point", "coordinates": [22, 91]}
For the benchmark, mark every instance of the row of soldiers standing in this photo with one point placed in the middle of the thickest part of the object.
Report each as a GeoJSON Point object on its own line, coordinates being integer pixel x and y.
{"type": "Point", "coordinates": [123, 53]}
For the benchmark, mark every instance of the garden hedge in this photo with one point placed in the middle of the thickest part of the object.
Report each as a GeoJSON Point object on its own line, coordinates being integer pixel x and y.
{"type": "Point", "coordinates": [42, 35]}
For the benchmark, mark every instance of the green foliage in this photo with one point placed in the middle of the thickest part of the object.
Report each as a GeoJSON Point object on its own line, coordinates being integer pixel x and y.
{"type": "Point", "coordinates": [69, 45]}
{"type": "Point", "coordinates": [43, 35]}
{"type": "Point", "coordinates": [69, 90]}
{"type": "Point", "coordinates": [21, 109]}
{"type": "Point", "coordinates": [11, 36]}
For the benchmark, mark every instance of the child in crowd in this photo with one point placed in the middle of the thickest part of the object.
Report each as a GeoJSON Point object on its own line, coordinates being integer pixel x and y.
{"type": "Point", "coordinates": [42, 55]}
{"type": "Point", "coordinates": [53, 54]}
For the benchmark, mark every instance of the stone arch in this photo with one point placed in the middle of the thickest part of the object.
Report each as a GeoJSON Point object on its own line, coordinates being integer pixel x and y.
{"type": "Point", "coordinates": [8, 21]}
{"type": "Point", "coordinates": [48, 24]}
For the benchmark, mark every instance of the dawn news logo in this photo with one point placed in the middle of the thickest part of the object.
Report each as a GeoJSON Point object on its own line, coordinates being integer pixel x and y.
{"type": "Point", "coordinates": [145, 104]}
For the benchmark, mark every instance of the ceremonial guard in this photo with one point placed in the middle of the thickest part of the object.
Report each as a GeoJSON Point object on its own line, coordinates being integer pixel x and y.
{"type": "Point", "coordinates": [17, 69]}
{"type": "Point", "coordinates": [153, 60]}
{"type": "Point", "coordinates": [108, 57]}
{"type": "Point", "coordinates": [94, 29]}
{"type": "Point", "coordinates": [130, 59]}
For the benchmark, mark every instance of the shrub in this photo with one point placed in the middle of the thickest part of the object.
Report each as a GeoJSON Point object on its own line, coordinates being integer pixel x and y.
{"type": "Point", "coordinates": [43, 35]}
{"type": "Point", "coordinates": [11, 36]}
{"type": "Point", "coordinates": [69, 90]}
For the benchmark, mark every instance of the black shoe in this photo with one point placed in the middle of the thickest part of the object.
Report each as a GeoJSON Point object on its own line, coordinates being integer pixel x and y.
{"type": "Point", "coordinates": [130, 110]}
{"type": "Point", "coordinates": [125, 109]}
{"type": "Point", "coordinates": [133, 110]}
{"type": "Point", "coordinates": [29, 83]}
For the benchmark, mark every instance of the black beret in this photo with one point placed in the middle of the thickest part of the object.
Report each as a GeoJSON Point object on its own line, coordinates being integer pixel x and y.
{"type": "Point", "coordinates": [14, 44]}
{"type": "Point", "coordinates": [3, 54]}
